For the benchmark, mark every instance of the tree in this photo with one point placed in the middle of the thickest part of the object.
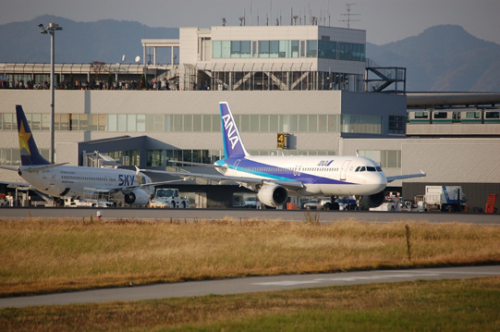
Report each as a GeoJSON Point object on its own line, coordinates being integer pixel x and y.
{"type": "Point", "coordinates": [143, 80]}
{"type": "Point", "coordinates": [110, 81]}
{"type": "Point", "coordinates": [98, 67]}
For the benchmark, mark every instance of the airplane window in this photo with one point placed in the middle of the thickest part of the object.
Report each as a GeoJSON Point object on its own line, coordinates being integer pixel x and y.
{"type": "Point", "coordinates": [378, 169]}
{"type": "Point", "coordinates": [357, 169]}
{"type": "Point", "coordinates": [362, 169]}
{"type": "Point", "coordinates": [370, 168]}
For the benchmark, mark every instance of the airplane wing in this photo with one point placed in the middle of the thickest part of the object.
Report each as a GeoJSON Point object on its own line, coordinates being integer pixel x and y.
{"type": "Point", "coordinates": [130, 188]}
{"type": "Point", "coordinates": [408, 176]}
{"type": "Point", "coordinates": [33, 168]}
{"type": "Point", "coordinates": [17, 185]}
{"type": "Point", "coordinates": [9, 168]}
{"type": "Point", "coordinates": [195, 164]}
{"type": "Point", "coordinates": [293, 185]}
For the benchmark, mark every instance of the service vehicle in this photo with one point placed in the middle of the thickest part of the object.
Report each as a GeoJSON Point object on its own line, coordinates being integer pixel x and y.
{"type": "Point", "coordinates": [444, 198]}
{"type": "Point", "coordinates": [77, 202]}
{"type": "Point", "coordinates": [391, 203]}
{"type": "Point", "coordinates": [169, 198]}
{"type": "Point", "coordinates": [252, 203]}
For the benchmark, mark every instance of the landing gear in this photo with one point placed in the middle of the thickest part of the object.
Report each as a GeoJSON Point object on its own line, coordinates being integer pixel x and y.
{"type": "Point", "coordinates": [334, 205]}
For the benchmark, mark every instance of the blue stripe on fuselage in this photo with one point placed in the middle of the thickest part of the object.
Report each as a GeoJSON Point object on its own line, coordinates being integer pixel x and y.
{"type": "Point", "coordinates": [278, 173]}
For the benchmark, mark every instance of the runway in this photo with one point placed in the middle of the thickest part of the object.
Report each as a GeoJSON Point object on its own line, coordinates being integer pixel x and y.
{"type": "Point", "coordinates": [248, 285]}
{"type": "Point", "coordinates": [245, 214]}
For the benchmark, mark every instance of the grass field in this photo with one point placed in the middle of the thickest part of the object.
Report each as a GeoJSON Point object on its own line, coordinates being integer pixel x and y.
{"type": "Point", "coordinates": [38, 255]}
{"type": "Point", "coordinates": [444, 305]}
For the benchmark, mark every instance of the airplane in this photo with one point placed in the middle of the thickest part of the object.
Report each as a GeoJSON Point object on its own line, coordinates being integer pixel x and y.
{"type": "Point", "coordinates": [275, 178]}
{"type": "Point", "coordinates": [60, 181]}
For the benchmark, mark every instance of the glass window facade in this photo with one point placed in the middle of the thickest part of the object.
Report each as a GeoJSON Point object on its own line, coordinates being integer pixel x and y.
{"type": "Point", "coordinates": [312, 48]}
{"type": "Point", "coordinates": [239, 49]}
{"type": "Point", "coordinates": [126, 157]}
{"type": "Point", "coordinates": [263, 49]}
{"type": "Point", "coordinates": [10, 156]}
{"type": "Point", "coordinates": [327, 49]}
{"type": "Point", "coordinates": [255, 123]}
{"type": "Point", "coordinates": [385, 158]}
{"type": "Point", "coordinates": [367, 124]}
{"type": "Point", "coordinates": [353, 52]}
{"type": "Point", "coordinates": [397, 124]}
{"type": "Point", "coordinates": [324, 49]}
{"type": "Point", "coordinates": [164, 158]}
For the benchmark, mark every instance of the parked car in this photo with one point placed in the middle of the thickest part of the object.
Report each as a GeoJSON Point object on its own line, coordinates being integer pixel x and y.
{"type": "Point", "coordinates": [252, 203]}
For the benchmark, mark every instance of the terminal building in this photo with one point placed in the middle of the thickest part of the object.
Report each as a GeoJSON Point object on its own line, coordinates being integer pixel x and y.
{"type": "Point", "coordinates": [312, 83]}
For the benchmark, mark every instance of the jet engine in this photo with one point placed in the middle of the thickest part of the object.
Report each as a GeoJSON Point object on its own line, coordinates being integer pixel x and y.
{"type": "Point", "coordinates": [272, 195]}
{"type": "Point", "coordinates": [137, 197]}
{"type": "Point", "coordinates": [370, 201]}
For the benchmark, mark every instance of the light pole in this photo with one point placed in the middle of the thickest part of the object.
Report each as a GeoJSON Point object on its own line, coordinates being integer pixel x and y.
{"type": "Point", "coordinates": [52, 28]}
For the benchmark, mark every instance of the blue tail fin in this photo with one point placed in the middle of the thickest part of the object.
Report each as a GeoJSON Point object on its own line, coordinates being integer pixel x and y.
{"type": "Point", "coordinates": [27, 146]}
{"type": "Point", "coordinates": [233, 146]}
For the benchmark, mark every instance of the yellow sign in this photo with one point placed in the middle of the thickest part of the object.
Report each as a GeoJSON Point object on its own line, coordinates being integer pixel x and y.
{"type": "Point", "coordinates": [281, 140]}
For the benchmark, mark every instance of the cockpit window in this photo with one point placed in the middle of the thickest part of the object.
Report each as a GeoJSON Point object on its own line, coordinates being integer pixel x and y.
{"type": "Point", "coordinates": [362, 169]}
{"type": "Point", "coordinates": [378, 169]}
{"type": "Point", "coordinates": [357, 169]}
{"type": "Point", "coordinates": [370, 168]}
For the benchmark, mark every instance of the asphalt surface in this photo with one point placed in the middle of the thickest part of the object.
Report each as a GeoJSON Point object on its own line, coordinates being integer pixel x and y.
{"type": "Point", "coordinates": [248, 285]}
{"type": "Point", "coordinates": [243, 214]}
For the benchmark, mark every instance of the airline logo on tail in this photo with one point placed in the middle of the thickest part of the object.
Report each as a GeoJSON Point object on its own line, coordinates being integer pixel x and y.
{"type": "Point", "coordinates": [27, 145]}
{"type": "Point", "coordinates": [233, 146]}
{"type": "Point", "coordinates": [24, 138]}
{"type": "Point", "coordinates": [229, 126]}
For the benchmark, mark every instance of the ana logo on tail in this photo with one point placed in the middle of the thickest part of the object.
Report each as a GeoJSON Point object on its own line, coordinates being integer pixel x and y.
{"type": "Point", "coordinates": [230, 130]}
{"type": "Point", "coordinates": [233, 145]}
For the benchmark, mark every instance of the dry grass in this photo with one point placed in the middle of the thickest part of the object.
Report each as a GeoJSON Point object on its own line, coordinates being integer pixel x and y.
{"type": "Point", "coordinates": [42, 255]}
{"type": "Point", "coordinates": [444, 305]}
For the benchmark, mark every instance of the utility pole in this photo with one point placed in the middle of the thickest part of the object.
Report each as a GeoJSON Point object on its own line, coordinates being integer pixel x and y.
{"type": "Point", "coordinates": [51, 29]}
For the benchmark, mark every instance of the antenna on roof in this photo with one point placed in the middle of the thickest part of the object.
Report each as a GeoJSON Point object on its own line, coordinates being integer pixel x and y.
{"type": "Point", "coordinates": [349, 14]}
{"type": "Point", "coordinates": [250, 12]}
{"type": "Point", "coordinates": [328, 12]}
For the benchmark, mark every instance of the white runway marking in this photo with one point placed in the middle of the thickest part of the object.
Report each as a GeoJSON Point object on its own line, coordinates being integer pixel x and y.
{"type": "Point", "coordinates": [348, 279]}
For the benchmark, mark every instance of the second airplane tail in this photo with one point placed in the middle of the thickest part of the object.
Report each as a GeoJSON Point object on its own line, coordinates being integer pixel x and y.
{"type": "Point", "coordinates": [233, 145]}
{"type": "Point", "coordinates": [27, 147]}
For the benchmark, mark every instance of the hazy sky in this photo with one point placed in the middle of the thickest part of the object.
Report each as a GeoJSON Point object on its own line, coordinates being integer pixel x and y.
{"type": "Point", "coordinates": [384, 20]}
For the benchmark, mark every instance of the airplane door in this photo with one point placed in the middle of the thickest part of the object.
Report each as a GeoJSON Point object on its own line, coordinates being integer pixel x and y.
{"type": "Point", "coordinates": [343, 170]}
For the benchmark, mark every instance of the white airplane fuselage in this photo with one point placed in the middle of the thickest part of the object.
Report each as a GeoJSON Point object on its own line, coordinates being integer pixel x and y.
{"type": "Point", "coordinates": [62, 181]}
{"type": "Point", "coordinates": [320, 175]}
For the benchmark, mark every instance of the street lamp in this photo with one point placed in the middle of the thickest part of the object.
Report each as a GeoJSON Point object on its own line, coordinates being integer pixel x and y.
{"type": "Point", "coordinates": [52, 28]}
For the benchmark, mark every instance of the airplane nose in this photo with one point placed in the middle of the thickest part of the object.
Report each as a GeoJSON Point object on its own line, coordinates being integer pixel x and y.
{"type": "Point", "coordinates": [378, 182]}
{"type": "Point", "coordinates": [382, 181]}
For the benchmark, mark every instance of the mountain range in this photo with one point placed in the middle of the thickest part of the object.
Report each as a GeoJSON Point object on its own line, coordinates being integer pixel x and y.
{"type": "Point", "coordinates": [78, 42]}
{"type": "Point", "coordinates": [442, 58]}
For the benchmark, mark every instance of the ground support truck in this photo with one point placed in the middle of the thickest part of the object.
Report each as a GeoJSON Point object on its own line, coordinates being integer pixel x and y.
{"type": "Point", "coordinates": [444, 198]}
{"type": "Point", "coordinates": [169, 198]}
